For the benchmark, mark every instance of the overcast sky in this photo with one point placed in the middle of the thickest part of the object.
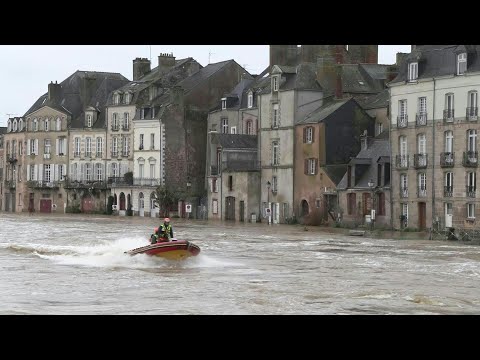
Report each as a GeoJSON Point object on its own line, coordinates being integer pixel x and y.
{"type": "Point", "coordinates": [26, 70]}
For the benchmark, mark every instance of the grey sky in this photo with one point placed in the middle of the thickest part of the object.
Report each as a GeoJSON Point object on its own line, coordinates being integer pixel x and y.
{"type": "Point", "coordinates": [26, 70]}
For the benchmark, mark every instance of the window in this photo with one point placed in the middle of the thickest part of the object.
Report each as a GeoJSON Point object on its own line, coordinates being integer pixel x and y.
{"type": "Point", "coordinates": [47, 146]}
{"type": "Point", "coordinates": [449, 141]}
{"type": "Point", "coordinates": [116, 99]}
{"type": "Point", "coordinates": [402, 109]}
{"type": "Point", "coordinates": [381, 204]}
{"type": "Point", "coordinates": [115, 146]}
{"type": "Point", "coordinates": [214, 185]}
{"type": "Point", "coordinates": [379, 128]}
{"type": "Point", "coordinates": [99, 147]}
{"type": "Point", "coordinates": [422, 144]}
{"type": "Point", "coordinates": [422, 111]}
{"type": "Point", "coordinates": [31, 173]}
{"type": "Point", "coordinates": [89, 121]}
{"type": "Point", "coordinates": [317, 203]}
{"type": "Point", "coordinates": [126, 98]}
{"type": "Point", "coordinates": [74, 172]}
{"type": "Point", "coordinates": [461, 63]}
{"type": "Point", "coordinates": [141, 142]}
{"type": "Point", "coordinates": [61, 146]}
{"type": "Point", "coordinates": [20, 148]}
{"type": "Point", "coordinates": [471, 140]}
{"type": "Point", "coordinates": [215, 206]}
{"type": "Point", "coordinates": [142, 113]}
{"type": "Point", "coordinates": [233, 129]}
{"type": "Point", "coordinates": [472, 109]}
{"type": "Point", "coordinates": [14, 125]}
{"type": "Point", "coordinates": [88, 147]}
{"type": "Point", "coordinates": [115, 169]}
{"type": "Point", "coordinates": [77, 147]}
{"type": "Point", "coordinates": [310, 166]}
{"type": "Point", "coordinates": [448, 182]}
{"type": "Point", "coordinates": [152, 171]}
{"type": "Point", "coordinates": [471, 211]}
{"type": "Point", "coordinates": [230, 183]}
{"type": "Point", "coordinates": [46, 126]}
{"type": "Point", "coordinates": [351, 204]}
{"type": "Point", "coordinates": [20, 125]}
{"type": "Point", "coordinates": [126, 121]}
{"type": "Point", "coordinates": [249, 127]}
{"type": "Point", "coordinates": [224, 125]}
{"type": "Point", "coordinates": [114, 121]}
{"type": "Point", "coordinates": [413, 71]}
{"type": "Point", "coordinates": [449, 111]}
{"type": "Point", "coordinates": [141, 201]}
{"type": "Point", "coordinates": [308, 135]}
{"type": "Point", "coordinates": [46, 173]}
{"type": "Point", "coordinates": [88, 172]}
{"type": "Point", "coordinates": [98, 172]}
{"type": "Point", "coordinates": [224, 103]}
{"type": "Point", "coordinates": [471, 182]}
{"type": "Point", "coordinates": [250, 100]}
{"type": "Point", "coordinates": [152, 92]}
{"type": "Point", "coordinates": [275, 153]}
{"type": "Point", "coordinates": [141, 170]}
{"type": "Point", "coordinates": [19, 172]}
{"type": "Point", "coordinates": [275, 83]}
{"type": "Point", "coordinates": [35, 125]}
{"type": "Point", "coordinates": [405, 214]}
{"type": "Point", "coordinates": [274, 184]}
{"type": "Point", "coordinates": [275, 120]}
{"type": "Point", "coordinates": [125, 145]}
{"type": "Point", "coordinates": [422, 184]}
{"type": "Point", "coordinates": [403, 185]}
{"type": "Point", "coordinates": [403, 151]}
{"type": "Point", "coordinates": [152, 141]}
{"type": "Point", "coordinates": [61, 172]}
{"type": "Point", "coordinates": [58, 125]}
{"type": "Point", "coordinates": [33, 146]}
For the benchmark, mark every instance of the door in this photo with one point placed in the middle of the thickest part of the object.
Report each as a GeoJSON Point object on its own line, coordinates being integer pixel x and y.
{"type": "Point", "coordinates": [366, 203]}
{"type": "Point", "coordinates": [448, 215]}
{"type": "Point", "coordinates": [45, 205]}
{"type": "Point", "coordinates": [229, 208]}
{"type": "Point", "coordinates": [422, 215]}
{"type": "Point", "coordinates": [242, 211]}
{"type": "Point", "coordinates": [87, 204]}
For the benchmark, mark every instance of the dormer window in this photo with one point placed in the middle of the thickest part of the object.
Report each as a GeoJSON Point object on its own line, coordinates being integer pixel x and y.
{"type": "Point", "coordinates": [116, 99]}
{"type": "Point", "coordinates": [46, 127]}
{"type": "Point", "coordinates": [58, 124]}
{"type": "Point", "coordinates": [275, 83]}
{"type": "Point", "coordinates": [250, 100]}
{"type": "Point", "coordinates": [89, 121]}
{"type": "Point", "coordinates": [413, 71]}
{"type": "Point", "coordinates": [35, 124]}
{"type": "Point", "coordinates": [224, 103]}
{"type": "Point", "coordinates": [14, 125]}
{"type": "Point", "coordinates": [20, 125]}
{"type": "Point", "coordinates": [126, 98]}
{"type": "Point", "coordinates": [153, 93]}
{"type": "Point", "coordinates": [461, 63]}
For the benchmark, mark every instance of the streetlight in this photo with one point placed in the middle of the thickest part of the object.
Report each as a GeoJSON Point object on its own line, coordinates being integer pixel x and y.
{"type": "Point", "coordinates": [268, 202]}
{"type": "Point", "coordinates": [372, 211]}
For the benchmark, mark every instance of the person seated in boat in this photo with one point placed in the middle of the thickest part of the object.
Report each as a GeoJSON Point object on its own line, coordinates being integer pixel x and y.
{"type": "Point", "coordinates": [165, 231]}
{"type": "Point", "coordinates": [154, 236]}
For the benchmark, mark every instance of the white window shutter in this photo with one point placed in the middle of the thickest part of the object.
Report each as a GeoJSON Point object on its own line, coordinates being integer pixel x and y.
{"type": "Point", "coordinates": [28, 147]}
{"type": "Point", "coordinates": [36, 146]}
{"type": "Point", "coordinates": [35, 172]}
{"type": "Point", "coordinates": [82, 172]}
{"type": "Point", "coordinates": [211, 185]}
{"type": "Point", "coordinates": [94, 146]}
{"type": "Point", "coordinates": [55, 172]}
{"type": "Point", "coordinates": [71, 175]}
{"type": "Point", "coordinates": [109, 172]}
{"type": "Point", "coordinates": [56, 146]}
{"type": "Point", "coordinates": [28, 173]}
{"type": "Point", "coordinates": [40, 170]}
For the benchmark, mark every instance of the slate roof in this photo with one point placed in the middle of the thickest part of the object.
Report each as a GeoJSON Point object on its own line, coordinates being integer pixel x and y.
{"type": "Point", "coordinates": [3, 130]}
{"type": "Point", "coordinates": [377, 149]}
{"type": "Point", "coordinates": [376, 101]}
{"type": "Point", "coordinates": [235, 141]}
{"type": "Point", "coordinates": [335, 172]}
{"type": "Point", "coordinates": [324, 111]}
{"type": "Point", "coordinates": [438, 60]}
{"type": "Point", "coordinates": [72, 101]}
{"type": "Point", "coordinates": [304, 78]}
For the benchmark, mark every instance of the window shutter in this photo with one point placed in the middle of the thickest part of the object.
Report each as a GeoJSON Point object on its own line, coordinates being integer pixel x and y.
{"type": "Point", "coordinates": [316, 166]}
{"type": "Point", "coordinates": [40, 172]}
{"type": "Point", "coordinates": [56, 146]}
{"type": "Point", "coordinates": [35, 172]}
{"type": "Point", "coordinates": [211, 185]}
{"type": "Point", "coordinates": [304, 135]}
{"type": "Point", "coordinates": [36, 146]}
{"type": "Point", "coordinates": [55, 172]}
{"type": "Point", "coordinates": [82, 172]}
{"type": "Point", "coordinates": [109, 173]}
{"type": "Point", "coordinates": [305, 170]}
{"type": "Point", "coordinates": [93, 146]}
{"type": "Point", "coordinates": [313, 134]}
{"type": "Point", "coordinates": [28, 173]}
{"type": "Point", "coordinates": [28, 147]}
{"type": "Point", "coordinates": [102, 172]}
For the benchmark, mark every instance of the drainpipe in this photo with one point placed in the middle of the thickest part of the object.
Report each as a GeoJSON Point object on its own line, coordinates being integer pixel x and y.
{"type": "Point", "coordinates": [433, 155]}
{"type": "Point", "coordinates": [391, 158]}
{"type": "Point", "coordinates": [259, 156]}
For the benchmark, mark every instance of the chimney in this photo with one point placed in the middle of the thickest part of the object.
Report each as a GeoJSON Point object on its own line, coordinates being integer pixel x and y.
{"type": "Point", "coordinates": [338, 84]}
{"type": "Point", "coordinates": [176, 95]}
{"type": "Point", "coordinates": [364, 140]}
{"type": "Point", "coordinates": [363, 54]}
{"type": "Point", "coordinates": [400, 58]}
{"type": "Point", "coordinates": [283, 55]}
{"type": "Point", "coordinates": [392, 72]}
{"type": "Point", "coordinates": [165, 62]}
{"type": "Point", "coordinates": [327, 73]}
{"type": "Point", "coordinates": [141, 66]}
{"type": "Point", "coordinates": [54, 92]}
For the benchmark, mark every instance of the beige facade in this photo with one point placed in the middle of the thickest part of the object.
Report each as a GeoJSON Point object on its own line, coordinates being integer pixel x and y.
{"type": "Point", "coordinates": [240, 196]}
{"type": "Point", "coordinates": [447, 195]}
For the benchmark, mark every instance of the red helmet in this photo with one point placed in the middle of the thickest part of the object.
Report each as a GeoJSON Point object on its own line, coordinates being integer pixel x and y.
{"type": "Point", "coordinates": [167, 220]}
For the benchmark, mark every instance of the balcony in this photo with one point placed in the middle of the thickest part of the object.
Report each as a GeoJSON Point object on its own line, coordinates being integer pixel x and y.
{"type": "Point", "coordinates": [46, 156]}
{"type": "Point", "coordinates": [447, 159]}
{"type": "Point", "coordinates": [241, 165]}
{"type": "Point", "coordinates": [213, 170]}
{"type": "Point", "coordinates": [470, 191]}
{"type": "Point", "coordinates": [401, 161]}
{"type": "Point", "coordinates": [448, 115]}
{"type": "Point", "coordinates": [402, 121]}
{"type": "Point", "coordinates": [404, 192]}
{"type": "Point", "coordinates": [84, 184]}
{"type": "Point", "coordinates": [43, 184]}
{"type": "Point", "coordinates": [472, 113]}
{"type": "Point", "coordinates": [448, 191]}
{"type": "Point", "coordinates": [12, 158]}
{"type": "Point", "coordinates": [10, 184]}
{"type": "Point", "coordinates": [115, 181]}
{"type": "Point", "coordinates": [470, 158]}
{"type": "Point", "coordinates": [421, 119]}
{"type": "Point", "coordinates": [422, 192]}
{"type": "Point", "coordinates": [147, 182]}
{"type": "Point", "coordinates": [420, 161]}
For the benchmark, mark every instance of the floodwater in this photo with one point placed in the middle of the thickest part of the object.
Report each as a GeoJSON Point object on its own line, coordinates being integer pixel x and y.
{"type": "Point", "coordinates": [75, 264]}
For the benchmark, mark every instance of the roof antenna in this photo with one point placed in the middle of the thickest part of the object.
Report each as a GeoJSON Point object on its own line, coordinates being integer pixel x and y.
{"type": "Point", "coordinates": [209, 56]}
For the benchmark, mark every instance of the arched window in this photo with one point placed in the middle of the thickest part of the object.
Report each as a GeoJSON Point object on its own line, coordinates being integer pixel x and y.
{"type": "Point", "coordinates": [58, 124]}
{"type": "Point", "coordinates": [35, 124]}
{"type": "Point", "coordinates": [9, 126]}
{"type": "Point", "coordinates": [141, 201]}
{"type": "Point", "coordinates": [15, 125]}
{"type": "Point", "coordinates": [249, 127]}
{"type": "Point", "coordinates": [152, 201]}
{"type": "Point", "coordinates": [47, 125]}
{"type": "Point", "coordinates": [20, 125]}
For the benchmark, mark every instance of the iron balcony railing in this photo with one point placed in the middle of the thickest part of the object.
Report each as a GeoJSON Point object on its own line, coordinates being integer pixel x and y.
{"type": "Point", "coordinates": [470, 191]}
{"type": "Point", "coordinates": [447, 159]}
{"type": "Point", "coordinates": [448, 115]}
{"type": "Point", "coordinates": [85, 184]}
{"type": "Point", "coordinates": [420, 161]}
{"type": "Point", "coordinates": [147, 182]}
{"type": "Point", "coordinates": [241, 165]}
{"type": "Point", "coordinates": [470, 158]}
{"type": "Point", "coordinates": [422, 191]}
{"type": "Point", "coordinates": [402, 121]}
{"type": "Point", "coordinates": [472, 113]}
{"type": "Point", "coordinates": [447, 191]}
{"type": "Point", "coordinates": [125, 127]}
{"type": "Point", "coordinates": [42, 184]}
{"type": "Point", "coordinates": [401, 161]}
{"type": "Point", "coordinates": [421, 119]}
{"type": "Point", "coordinates": [11, 158]}
{"type": "Point", "coordinates": [404, 192]}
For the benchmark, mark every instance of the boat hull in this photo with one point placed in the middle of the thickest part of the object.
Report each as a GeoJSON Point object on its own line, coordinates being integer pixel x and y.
{"type": "Point", "coordinates": [172, 250]}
